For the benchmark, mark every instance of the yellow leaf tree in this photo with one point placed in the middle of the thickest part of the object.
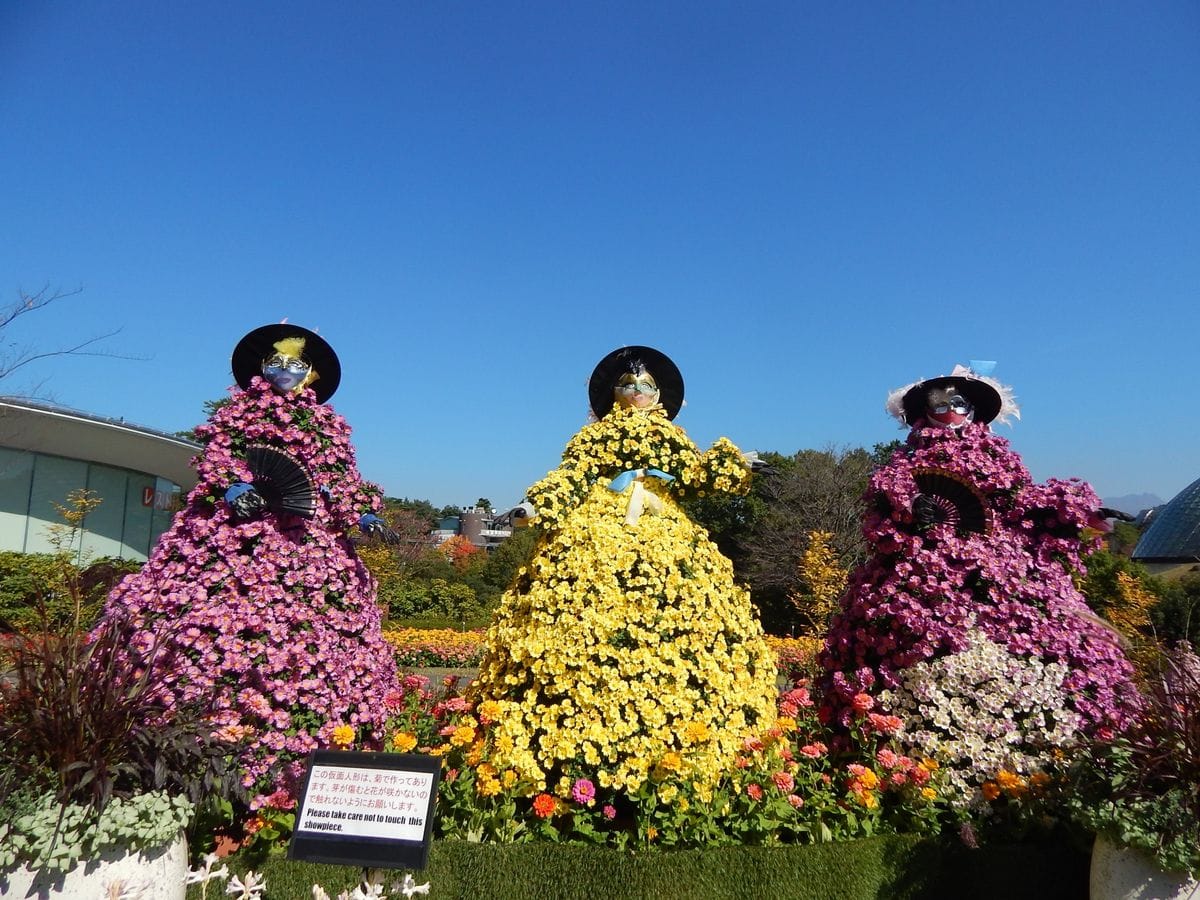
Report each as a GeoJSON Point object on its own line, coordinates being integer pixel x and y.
{"type": "Point", "coordinates": [822, 582]}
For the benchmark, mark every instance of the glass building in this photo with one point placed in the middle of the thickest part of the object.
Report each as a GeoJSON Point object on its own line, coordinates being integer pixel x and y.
{"type": "Point", "coordinates": [1173, 538]}
{"type": "Point", "coordinates": [47, 452]}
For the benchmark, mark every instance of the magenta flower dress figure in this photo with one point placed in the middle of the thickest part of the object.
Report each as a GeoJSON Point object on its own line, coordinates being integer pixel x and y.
{"type": "Point", "coordinates": [255, 590]}
{"type": "Point", "coordinates": [965, 621]}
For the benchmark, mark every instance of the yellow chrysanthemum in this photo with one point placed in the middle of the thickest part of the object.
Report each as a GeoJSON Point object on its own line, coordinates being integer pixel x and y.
{"type": "Point", "coordinates": [403, 742]}
{"type": "Point", "coordinates": [343, 735]}
{"type": "Point", "coordinates": [626, 640]}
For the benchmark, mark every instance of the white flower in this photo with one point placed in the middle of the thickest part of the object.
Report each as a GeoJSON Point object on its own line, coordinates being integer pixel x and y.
{"type": "Point", "coordinates": [126, 890]}
{"type": "Point", "coordinates": [250, 888]}
{"type": "Point", "coordinates": [410, 886]}
{"type": "Point", "coordinates": [207, 873]}
{"type": "Point", "coordinates": [318, 893]}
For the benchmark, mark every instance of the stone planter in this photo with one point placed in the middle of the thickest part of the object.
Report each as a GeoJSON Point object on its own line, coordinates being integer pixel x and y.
{"type": "Point", "coordinates": [160, 873]}
{"type": "Point", "coordinates": [1124, 873]}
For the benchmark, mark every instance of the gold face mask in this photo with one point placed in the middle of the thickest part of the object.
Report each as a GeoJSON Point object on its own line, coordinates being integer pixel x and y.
{"type": "Point", "coordinates": [636, 389]}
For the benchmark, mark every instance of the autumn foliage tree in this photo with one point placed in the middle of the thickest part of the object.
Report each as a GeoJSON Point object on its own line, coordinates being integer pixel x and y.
{"type": "Point", "coordinates": [822, 580]}
{"type": "Point", "coordinates": [460, 552]}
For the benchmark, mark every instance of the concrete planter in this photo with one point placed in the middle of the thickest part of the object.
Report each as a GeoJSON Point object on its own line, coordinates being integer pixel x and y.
{"type": "Point", "coordinates": [159, 873]}
{"type": "Point", "coordinates": [1125, 873]}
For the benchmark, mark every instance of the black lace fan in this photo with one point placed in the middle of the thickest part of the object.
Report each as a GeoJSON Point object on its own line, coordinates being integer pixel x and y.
{"type": "Point", "coordinates": [946, 499]}
{"type": "Point", "coordinates": [282, 481]}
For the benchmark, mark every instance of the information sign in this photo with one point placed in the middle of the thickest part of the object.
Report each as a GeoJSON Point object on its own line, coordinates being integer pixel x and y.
{"type": "Point", "coordinates": [366, 809]}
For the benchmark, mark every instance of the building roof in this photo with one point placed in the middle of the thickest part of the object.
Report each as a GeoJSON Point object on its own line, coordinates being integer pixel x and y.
{"type": "Point", "coordinates": [44, 428]}
{"type": "Point", "coordinates": [1174, 532]}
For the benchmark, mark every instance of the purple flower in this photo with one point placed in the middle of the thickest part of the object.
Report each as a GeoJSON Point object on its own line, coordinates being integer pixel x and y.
{"type": "Point", "coordinates": [274, 619]}
{"type": "Point", "coordinates": [583, 791]}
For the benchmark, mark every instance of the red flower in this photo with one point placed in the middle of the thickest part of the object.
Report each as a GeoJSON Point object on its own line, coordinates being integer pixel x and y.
{"type": "Point", "coordinates": [544, 806]}
{"type": "Point", "coordinates": [863, 702]}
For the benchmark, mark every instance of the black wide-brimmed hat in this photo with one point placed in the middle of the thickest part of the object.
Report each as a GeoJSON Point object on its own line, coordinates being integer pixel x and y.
{"type": "Point", "coordinates": [259, 345]}
{"type": "Point", "coordinates": [981, 395]}
{"type": "Point", "coordinates": [627, 359]}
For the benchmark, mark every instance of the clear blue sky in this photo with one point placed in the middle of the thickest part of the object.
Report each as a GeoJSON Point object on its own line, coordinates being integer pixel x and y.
{"type": "Point", "coordinates": [804, 204]}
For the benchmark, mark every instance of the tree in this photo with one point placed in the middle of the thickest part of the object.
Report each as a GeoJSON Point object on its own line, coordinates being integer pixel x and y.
{"type": "Point", "coordinates": [16, 355]}
{"type": "Point", "coordinates": [460, 552]}
{"type": "Point", "coordinates": [822, 582]}
{"type": "Point", "coordinates": [812, 491]}
{"type": "Point", "coordinates": [422, 508]}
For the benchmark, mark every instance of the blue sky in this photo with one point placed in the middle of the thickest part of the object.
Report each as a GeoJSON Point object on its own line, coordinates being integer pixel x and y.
{"type": "Point", "coordinates": [805, 205]}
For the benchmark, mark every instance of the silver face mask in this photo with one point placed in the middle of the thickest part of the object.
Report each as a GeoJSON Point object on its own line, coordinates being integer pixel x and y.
{"type": "Point", "coordinates": [286, 373]}
{"type": "Point", "coordinates": [948, 408]}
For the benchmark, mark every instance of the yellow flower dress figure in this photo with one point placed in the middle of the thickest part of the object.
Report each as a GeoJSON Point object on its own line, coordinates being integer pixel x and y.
{"type": "Point", "coordinates": [624, 650]}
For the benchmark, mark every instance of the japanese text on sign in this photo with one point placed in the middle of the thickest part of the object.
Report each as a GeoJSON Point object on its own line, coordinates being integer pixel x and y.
{"type": "Point", "coordinates": [366, 802]}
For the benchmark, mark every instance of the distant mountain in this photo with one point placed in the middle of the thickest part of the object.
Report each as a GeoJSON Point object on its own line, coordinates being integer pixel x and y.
{"type": "Point", "coordinates": [1133, 503]}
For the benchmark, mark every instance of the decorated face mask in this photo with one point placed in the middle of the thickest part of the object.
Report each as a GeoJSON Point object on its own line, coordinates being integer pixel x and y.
{"type": "Point", "coordinates": [286, 373]}
{"type": "Point", "coordinates": [636, 389]}
{"type": "Point", "coordinates": [286, 368]}
{"type": "Point", "coordinates": [945, 406]}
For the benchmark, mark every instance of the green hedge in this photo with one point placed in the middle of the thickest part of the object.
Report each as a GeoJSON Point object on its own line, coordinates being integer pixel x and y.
{"type": "Point", "coordinates": [882, 867]}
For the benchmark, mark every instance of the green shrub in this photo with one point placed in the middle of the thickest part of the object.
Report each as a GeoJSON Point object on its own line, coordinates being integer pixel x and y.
{"type": "Point", "coordinates": [34, 592]}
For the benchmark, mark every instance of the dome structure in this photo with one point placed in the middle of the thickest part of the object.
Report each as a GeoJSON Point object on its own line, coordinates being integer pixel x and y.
{"type": "Point", "coordinates": [1174, 532]}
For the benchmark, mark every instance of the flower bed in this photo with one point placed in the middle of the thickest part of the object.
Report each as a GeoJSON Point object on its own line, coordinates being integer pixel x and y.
{"type": "Point", "coordinates": [435, 647]}
{"type": "Point", "coordinates": [451, 649]}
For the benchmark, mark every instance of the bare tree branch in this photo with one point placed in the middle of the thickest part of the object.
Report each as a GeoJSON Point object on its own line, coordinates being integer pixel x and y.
{"type": "Point", "coordinates": [15, 356]}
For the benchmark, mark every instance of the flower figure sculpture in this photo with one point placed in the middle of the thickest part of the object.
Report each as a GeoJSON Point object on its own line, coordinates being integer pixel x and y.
{"type": "Point", "coordinates": [969, 590]}
{"type": "Point", "coordinates": [624, 646]}
{"type": "Point", "coordinates": [255, 589]}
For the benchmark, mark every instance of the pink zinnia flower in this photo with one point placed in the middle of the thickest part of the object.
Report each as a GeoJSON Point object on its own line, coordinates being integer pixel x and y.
{"type": "Point", "coordinates": [583, 791]}
{"type": "Point", "coordinates": [784, 781]}
{"type": "Point", "coordinates": [815, 750]}
{"type": "Point", "coordinates": [754, 791]}
{"type": "Point", "coordinates": [609, 811]}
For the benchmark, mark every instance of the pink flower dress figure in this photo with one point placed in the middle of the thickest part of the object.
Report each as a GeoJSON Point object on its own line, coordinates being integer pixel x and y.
{"type": "Point", "coordinates": [255, 590]}
{"type": "Point", "coordinates": [969, 556]}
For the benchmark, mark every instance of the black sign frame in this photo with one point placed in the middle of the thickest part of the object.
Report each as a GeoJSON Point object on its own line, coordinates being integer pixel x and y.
{"type": "Point", "coordinates": [364, 850]}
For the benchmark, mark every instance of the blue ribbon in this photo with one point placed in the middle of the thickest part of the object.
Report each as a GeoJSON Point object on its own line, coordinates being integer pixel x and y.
{"type": "Point", "coordinates": [623, 480]}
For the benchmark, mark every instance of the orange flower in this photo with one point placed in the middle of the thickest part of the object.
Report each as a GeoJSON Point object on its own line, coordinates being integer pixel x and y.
{"type": "Point", "coordinates": [671, 762]}
{"type": "Point", "coordinates": [462, 736]}
{"type": "Point", "coordinates": [990, 790]}
{"type": "Point", "coordinates": [487, 787]}
{"type": "Point", "coordinates": [1011, 783]}
{"type": "Point", "coordinates": [544, 806]}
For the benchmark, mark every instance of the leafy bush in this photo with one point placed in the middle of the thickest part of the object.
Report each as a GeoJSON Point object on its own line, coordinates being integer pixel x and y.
{"type": "Point", "coordinates": [32, 594]}
{"type": "Point", "coordinates": [91, 755]}
{"type": "Point", "coordinates": [1142, 787]}
{"type": "Point", "coordinates": [55, 837]}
